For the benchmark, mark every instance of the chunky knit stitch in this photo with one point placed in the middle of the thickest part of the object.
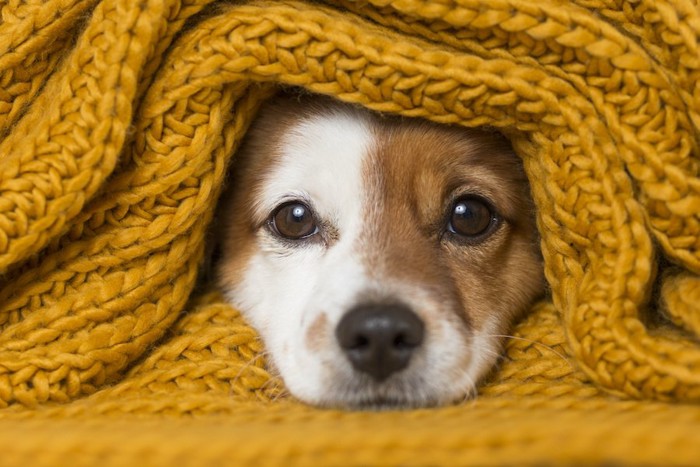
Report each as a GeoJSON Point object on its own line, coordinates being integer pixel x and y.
{"type": "Point", "coordinates": [118, 120]}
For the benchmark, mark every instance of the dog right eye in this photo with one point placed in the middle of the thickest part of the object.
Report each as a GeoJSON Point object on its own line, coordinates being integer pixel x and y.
{"type": "Point", "coordinates": [294, 221]}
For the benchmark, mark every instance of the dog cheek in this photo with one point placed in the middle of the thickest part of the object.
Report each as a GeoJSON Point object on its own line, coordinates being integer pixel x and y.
{"type": "Point", "coordinates": [272, 295]}
{"type": "Point", "coordinates": [470, 288]}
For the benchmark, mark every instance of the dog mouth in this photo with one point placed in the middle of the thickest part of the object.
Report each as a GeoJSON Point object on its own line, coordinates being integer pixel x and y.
{"type": "Point", "coordinates": [371, 403]}
{"type": "Point", "coordinates": [386, 404]}
{"type": "Point", "coordinates": [399, 392]}
{"type": "Point", "coordinates": [395, 402]}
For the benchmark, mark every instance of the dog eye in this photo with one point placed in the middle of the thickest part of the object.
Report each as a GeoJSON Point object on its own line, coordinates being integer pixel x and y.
{"type": "Point", "coordinates": [470, 217]}
{"type": "Point", "coordinates": [294, 221]}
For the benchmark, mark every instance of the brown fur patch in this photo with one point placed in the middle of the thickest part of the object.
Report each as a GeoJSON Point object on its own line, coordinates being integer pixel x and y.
{"type": "Point", "coordinates": [414, 174]}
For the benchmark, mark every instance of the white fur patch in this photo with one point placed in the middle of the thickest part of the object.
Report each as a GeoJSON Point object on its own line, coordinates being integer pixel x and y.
{"type": "Point", "coordinates": [284, 289]}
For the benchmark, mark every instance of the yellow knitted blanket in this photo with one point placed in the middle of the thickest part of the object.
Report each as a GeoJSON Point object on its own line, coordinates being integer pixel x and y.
{"type": "Point", "coordinates": [118, 119]}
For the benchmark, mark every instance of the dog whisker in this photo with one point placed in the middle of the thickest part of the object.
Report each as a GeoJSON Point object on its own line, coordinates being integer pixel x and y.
{"type": "Point", "coordinates": [498, 355]}
{"type": "Point", "coordinates": [471, 390]}
{"type": "Point", "coordinates": [281, 393]}
{"type": "Point", "coordinates": [248, 364]}
{"type": "Point", "coordinates": [536, 343]}
{"type": "Point", "coordinates": [275, 383]}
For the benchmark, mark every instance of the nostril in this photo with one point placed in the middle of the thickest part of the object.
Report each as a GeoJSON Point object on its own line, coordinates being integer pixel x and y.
{"type": "Point", "coordinates": [380, 339]}
{"type": "Point", "coordinates": [359, 342]}
{"type": "Point", "coordinates": [402, 341]}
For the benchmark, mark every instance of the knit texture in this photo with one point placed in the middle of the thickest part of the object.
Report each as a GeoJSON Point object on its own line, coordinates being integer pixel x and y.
{"type": "Point", "coordinates": [118, 120]}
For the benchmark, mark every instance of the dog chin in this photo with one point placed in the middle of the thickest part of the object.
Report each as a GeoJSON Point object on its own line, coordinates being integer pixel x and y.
{"type": "Point", "coordinates": [397, 393]}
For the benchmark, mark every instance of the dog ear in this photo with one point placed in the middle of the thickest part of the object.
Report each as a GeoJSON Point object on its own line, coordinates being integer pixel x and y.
{"type": "Point", "coordinates": [206, 276]}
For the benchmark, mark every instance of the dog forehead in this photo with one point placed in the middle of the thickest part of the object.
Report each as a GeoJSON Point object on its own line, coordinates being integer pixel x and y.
{"type": "Point", "coordinates": [423, 165]}
{"type": "Point", "coordinates": [320, 158]}
{"type": "Point", "coordinates": [411, 149]}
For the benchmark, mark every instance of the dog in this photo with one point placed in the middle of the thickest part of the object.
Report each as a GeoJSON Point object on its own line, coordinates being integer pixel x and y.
{"type": "Point", "coordinates": [381, 259]}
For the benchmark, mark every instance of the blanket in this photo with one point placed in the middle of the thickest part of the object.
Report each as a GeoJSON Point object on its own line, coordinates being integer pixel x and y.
{"type": "Point", "coordinates": [118, 122]}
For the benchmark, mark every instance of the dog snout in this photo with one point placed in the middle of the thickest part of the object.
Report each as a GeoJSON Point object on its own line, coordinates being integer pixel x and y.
{"type": "Point", "coordinates": [380, 339]}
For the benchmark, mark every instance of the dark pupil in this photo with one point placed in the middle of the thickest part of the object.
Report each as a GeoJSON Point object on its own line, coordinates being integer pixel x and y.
{"type": "Point", "coordinates": [294, 221]}
{"type": "Point", "coordinates": [470, 217]}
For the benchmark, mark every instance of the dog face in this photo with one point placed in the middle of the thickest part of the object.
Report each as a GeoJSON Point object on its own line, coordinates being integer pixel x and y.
{"type": "Point", "coordinates": [379, 258]}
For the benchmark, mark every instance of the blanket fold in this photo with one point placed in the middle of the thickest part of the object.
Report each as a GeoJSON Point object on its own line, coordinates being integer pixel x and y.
{"type": "Point", "coordinates": [118, 121]}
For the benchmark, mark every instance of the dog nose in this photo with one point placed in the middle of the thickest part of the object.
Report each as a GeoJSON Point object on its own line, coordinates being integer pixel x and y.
{"type": "Point", "coordinates": [380, 339]}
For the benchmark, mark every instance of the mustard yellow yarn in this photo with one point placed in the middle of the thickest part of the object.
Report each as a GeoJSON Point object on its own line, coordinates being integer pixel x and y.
{"type": "Point", "coordinates": [118, 120]}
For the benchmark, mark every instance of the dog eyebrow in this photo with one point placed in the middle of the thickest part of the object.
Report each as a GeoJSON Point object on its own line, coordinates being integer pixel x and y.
{"type": "Point", "coordinates": [441, 187]}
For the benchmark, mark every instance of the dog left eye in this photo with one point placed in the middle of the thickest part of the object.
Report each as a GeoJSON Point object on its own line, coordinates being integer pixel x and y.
{"type": "Point", "coordinates": [293, 221]}
{"type": "Point", "coordinates": [471, 217]}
